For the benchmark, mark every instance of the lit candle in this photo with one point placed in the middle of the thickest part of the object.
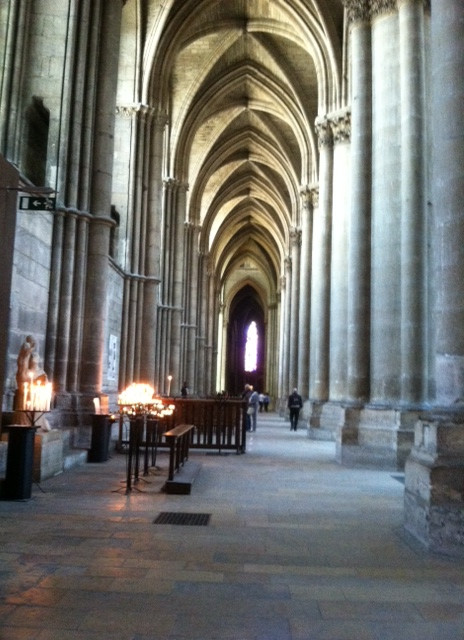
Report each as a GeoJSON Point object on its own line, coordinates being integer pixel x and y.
{"type": "Point", "coordinates": [169, 385]}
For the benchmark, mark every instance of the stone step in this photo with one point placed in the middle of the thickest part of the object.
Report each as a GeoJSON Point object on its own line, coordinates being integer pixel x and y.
{"type": "Point", "coordinates": [74, 458]}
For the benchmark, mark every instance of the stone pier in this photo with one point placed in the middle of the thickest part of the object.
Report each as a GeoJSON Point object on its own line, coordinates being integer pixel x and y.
{"type": "Point", "coordinates": [434, 484]}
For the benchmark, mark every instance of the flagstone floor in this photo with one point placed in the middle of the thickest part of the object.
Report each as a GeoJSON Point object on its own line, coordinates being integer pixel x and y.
{"type": "Point", "coordinates": [296, 548]}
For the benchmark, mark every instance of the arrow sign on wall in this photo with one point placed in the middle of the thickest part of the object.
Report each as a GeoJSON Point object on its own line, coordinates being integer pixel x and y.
{"type": "Point", "coordinates": [36, 203]}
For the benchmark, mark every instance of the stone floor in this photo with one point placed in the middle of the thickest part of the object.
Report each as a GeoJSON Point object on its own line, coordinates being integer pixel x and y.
{"type": "Point", "coordinates": [297, 548]}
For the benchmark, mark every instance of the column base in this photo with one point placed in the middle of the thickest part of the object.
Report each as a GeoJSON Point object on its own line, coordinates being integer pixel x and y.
{"type": "Point", "coordinates": [434, 485]}
{"type": "Point", "coordinates": [374, 437]}
{"type": "Point", "coordinates": [325, 418]}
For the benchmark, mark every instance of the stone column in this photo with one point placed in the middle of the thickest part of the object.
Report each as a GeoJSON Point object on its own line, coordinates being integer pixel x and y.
{"type": "Point", "coordinates": [178, 277]}
{"type": "Point", "coordinates": [320, 290]}
{"type": "Point", "coordinates": [100, 205]}
{"type": "Point", "coordinates": [54, 292]}
{"type": "Point", "coordinates": [272, 360]}
{"type": "Point", "coordinates": [283, 384]}
{"type": "Point", "coordinates": [294, 318]}
{"type": "Point", "coordinates": [447, 30]}
{"type": "Point", "coordinates": [14, 17]}
{"type": "Point", "coordinates": [78, 294]}
{"type": "Point", "coordinates": [9, 180]}
{"type": "Point", "coordinates": [305, 292]}
{"type": "Point", "coordinates": [150, 240]}
{"type": "Point", "coordinates": [359, 211]}
{"type": "Point", "coordinates": [385, 360]}
{"type": "Point", "coordinates": [341, 124]}
{"type": "Point", "coordinates": [211, 328]}
{"type": "Point", "coordinates": [414, 224]}
{"type": "Point", "coordinates": [65, 304]}
{"type": "Point", "coordinates": [434, 498]}
{"type": "Point", "coordinates": [192, 308]}
{"type": "Point", "coordinates": [286, 381]}
{"type": "Point", "coordinates": [202, 329]}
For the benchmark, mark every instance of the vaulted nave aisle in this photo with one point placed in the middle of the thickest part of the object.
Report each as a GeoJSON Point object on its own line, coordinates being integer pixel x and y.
{"type": "Point", "coordinates": [297, 548]}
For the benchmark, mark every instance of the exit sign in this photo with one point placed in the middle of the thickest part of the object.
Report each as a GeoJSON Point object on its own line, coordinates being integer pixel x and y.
{"type": "Point", "coordinates": [31, 203]}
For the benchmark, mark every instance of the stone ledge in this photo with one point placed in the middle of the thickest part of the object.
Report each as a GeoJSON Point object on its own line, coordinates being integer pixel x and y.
{"type": "Point", "coordinates": [48, 455]}
{"type": "Point", "coordinates": [183, 479]}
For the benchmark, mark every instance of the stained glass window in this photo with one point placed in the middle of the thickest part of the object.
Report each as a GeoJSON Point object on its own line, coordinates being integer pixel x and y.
{"type": "Point", "coordinates": [251, 347]}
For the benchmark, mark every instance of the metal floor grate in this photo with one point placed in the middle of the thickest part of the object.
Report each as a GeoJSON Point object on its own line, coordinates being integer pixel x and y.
{"type": "Point", "coordinates": [195, 519]}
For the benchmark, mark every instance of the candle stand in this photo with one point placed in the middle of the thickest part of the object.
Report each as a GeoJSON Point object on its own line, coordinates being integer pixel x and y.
{"type": "Point", "coordinates": [144, 410]}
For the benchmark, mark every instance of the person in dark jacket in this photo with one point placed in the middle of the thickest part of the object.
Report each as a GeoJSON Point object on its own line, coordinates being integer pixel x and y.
{"type": "Point", "coordinates": [294, 404]}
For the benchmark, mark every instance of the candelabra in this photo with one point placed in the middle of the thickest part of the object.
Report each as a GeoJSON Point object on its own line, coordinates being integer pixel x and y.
{"type": "Point", "coordinates": [36, 399]}
{"type": "Point", "coordinates": [140, 403]}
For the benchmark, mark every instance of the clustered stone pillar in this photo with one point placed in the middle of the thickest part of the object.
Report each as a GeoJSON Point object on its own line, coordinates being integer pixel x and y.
{"type": "Point", "coordinates": [448, 196]}
{"type": "Point", "coordinates": [286, 311]}
{"type": "Point", "coordinates": [177, 278]}
{"type": "Point", "coordinates": [385, 334]}
{"type": "Point", "coordinates": [305, 291]}
{"type": "Point", "coordinates": [192, 232]}
{"type": "Point", "coordinates": [358, 310]}
{"type": "Point", "coordinates": [100, 203]}
{"type": "Point", "coordinates": [65, 306]}
{"type": "Point", "coordinates": [387, 270]}
{"type": "Point", "coordinates": [272, 338]}
{"type": "Point", "coordinates": [340, 123]}
{"type": "Point", "coordinates": [149, 239]}
{"type": "Point", "coordinates": [9, 177]}
{"type": "Point", "coordinates": [283, 382]}
{"type": "Point", "coordinates": [414, 224]}
{"type": "Point", "coordinates": [434, 487]}
{"type": "Point", "coordinates": [320, 292]}
{"type": "Point", "coordinates": [294, 319]}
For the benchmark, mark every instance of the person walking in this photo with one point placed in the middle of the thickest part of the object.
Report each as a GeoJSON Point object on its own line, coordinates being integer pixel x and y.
{"type": "Point", "coordinates": [294, 404]}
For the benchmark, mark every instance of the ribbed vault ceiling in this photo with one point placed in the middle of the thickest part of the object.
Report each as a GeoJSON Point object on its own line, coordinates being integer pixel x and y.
{"type": "Point", "coordinates": [242, 82]}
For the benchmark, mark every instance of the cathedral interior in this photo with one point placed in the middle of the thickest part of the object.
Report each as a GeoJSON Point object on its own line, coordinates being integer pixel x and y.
{"type": "Point", "coordinates": [174, 172]}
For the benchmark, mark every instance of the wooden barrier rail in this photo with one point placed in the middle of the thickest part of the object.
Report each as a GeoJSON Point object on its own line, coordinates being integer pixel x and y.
{"type": "Point", "coordinates": [219, 424]}
{"type": "Point", "coordinates": [178, 440]}
{"type": "Point", "coordinates": [182, 472]}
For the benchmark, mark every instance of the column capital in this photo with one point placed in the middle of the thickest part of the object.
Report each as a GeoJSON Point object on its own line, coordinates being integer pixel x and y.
{"type": "Point", "coordinates": [314, 192]}
{"type": "Point", "coordinates": [341, 125]}
{"type": "Point", "coordinates": [170, 184]}
{"type": "Point", "coordinates": [306, 198]}
{"type": "Point", "coordinates": [358, 10]}
{"type": "Point", "coordinates": [425, 3]}
{"type": "Point", "coordinates": [134, 108]}
{"type": "Point", "coordinates": [380, 7]}
{"type": "Point", "coordinates": [366, 10]}
{"type": "Point", "coordinates": [324, 132]}
{"type": "Point", "coordinates": [295, 237]}
{"type": "Point", "coordinates": [192, 226]}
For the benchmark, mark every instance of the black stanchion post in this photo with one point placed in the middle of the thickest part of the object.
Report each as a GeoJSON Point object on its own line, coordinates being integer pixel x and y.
{"type": "Point", "coordinates": [19, 462]}
{"type": "Point", "coordinates": [101, 434]}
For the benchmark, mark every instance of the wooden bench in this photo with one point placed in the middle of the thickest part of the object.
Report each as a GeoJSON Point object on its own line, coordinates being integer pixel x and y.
{"type": "Point", "coordinates": [182, 471]}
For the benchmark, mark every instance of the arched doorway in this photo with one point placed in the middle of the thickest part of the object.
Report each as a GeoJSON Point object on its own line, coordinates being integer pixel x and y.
{"type": "Point", "coordinates": [245, 309]}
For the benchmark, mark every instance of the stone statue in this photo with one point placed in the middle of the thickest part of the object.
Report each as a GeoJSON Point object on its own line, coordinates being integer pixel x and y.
{"type": "Point", "coordinates": [28, 370]}
{"type": "Point", "coordinates": [28, 364]}
{"type": "Point", "coordinates": [25, 362]}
